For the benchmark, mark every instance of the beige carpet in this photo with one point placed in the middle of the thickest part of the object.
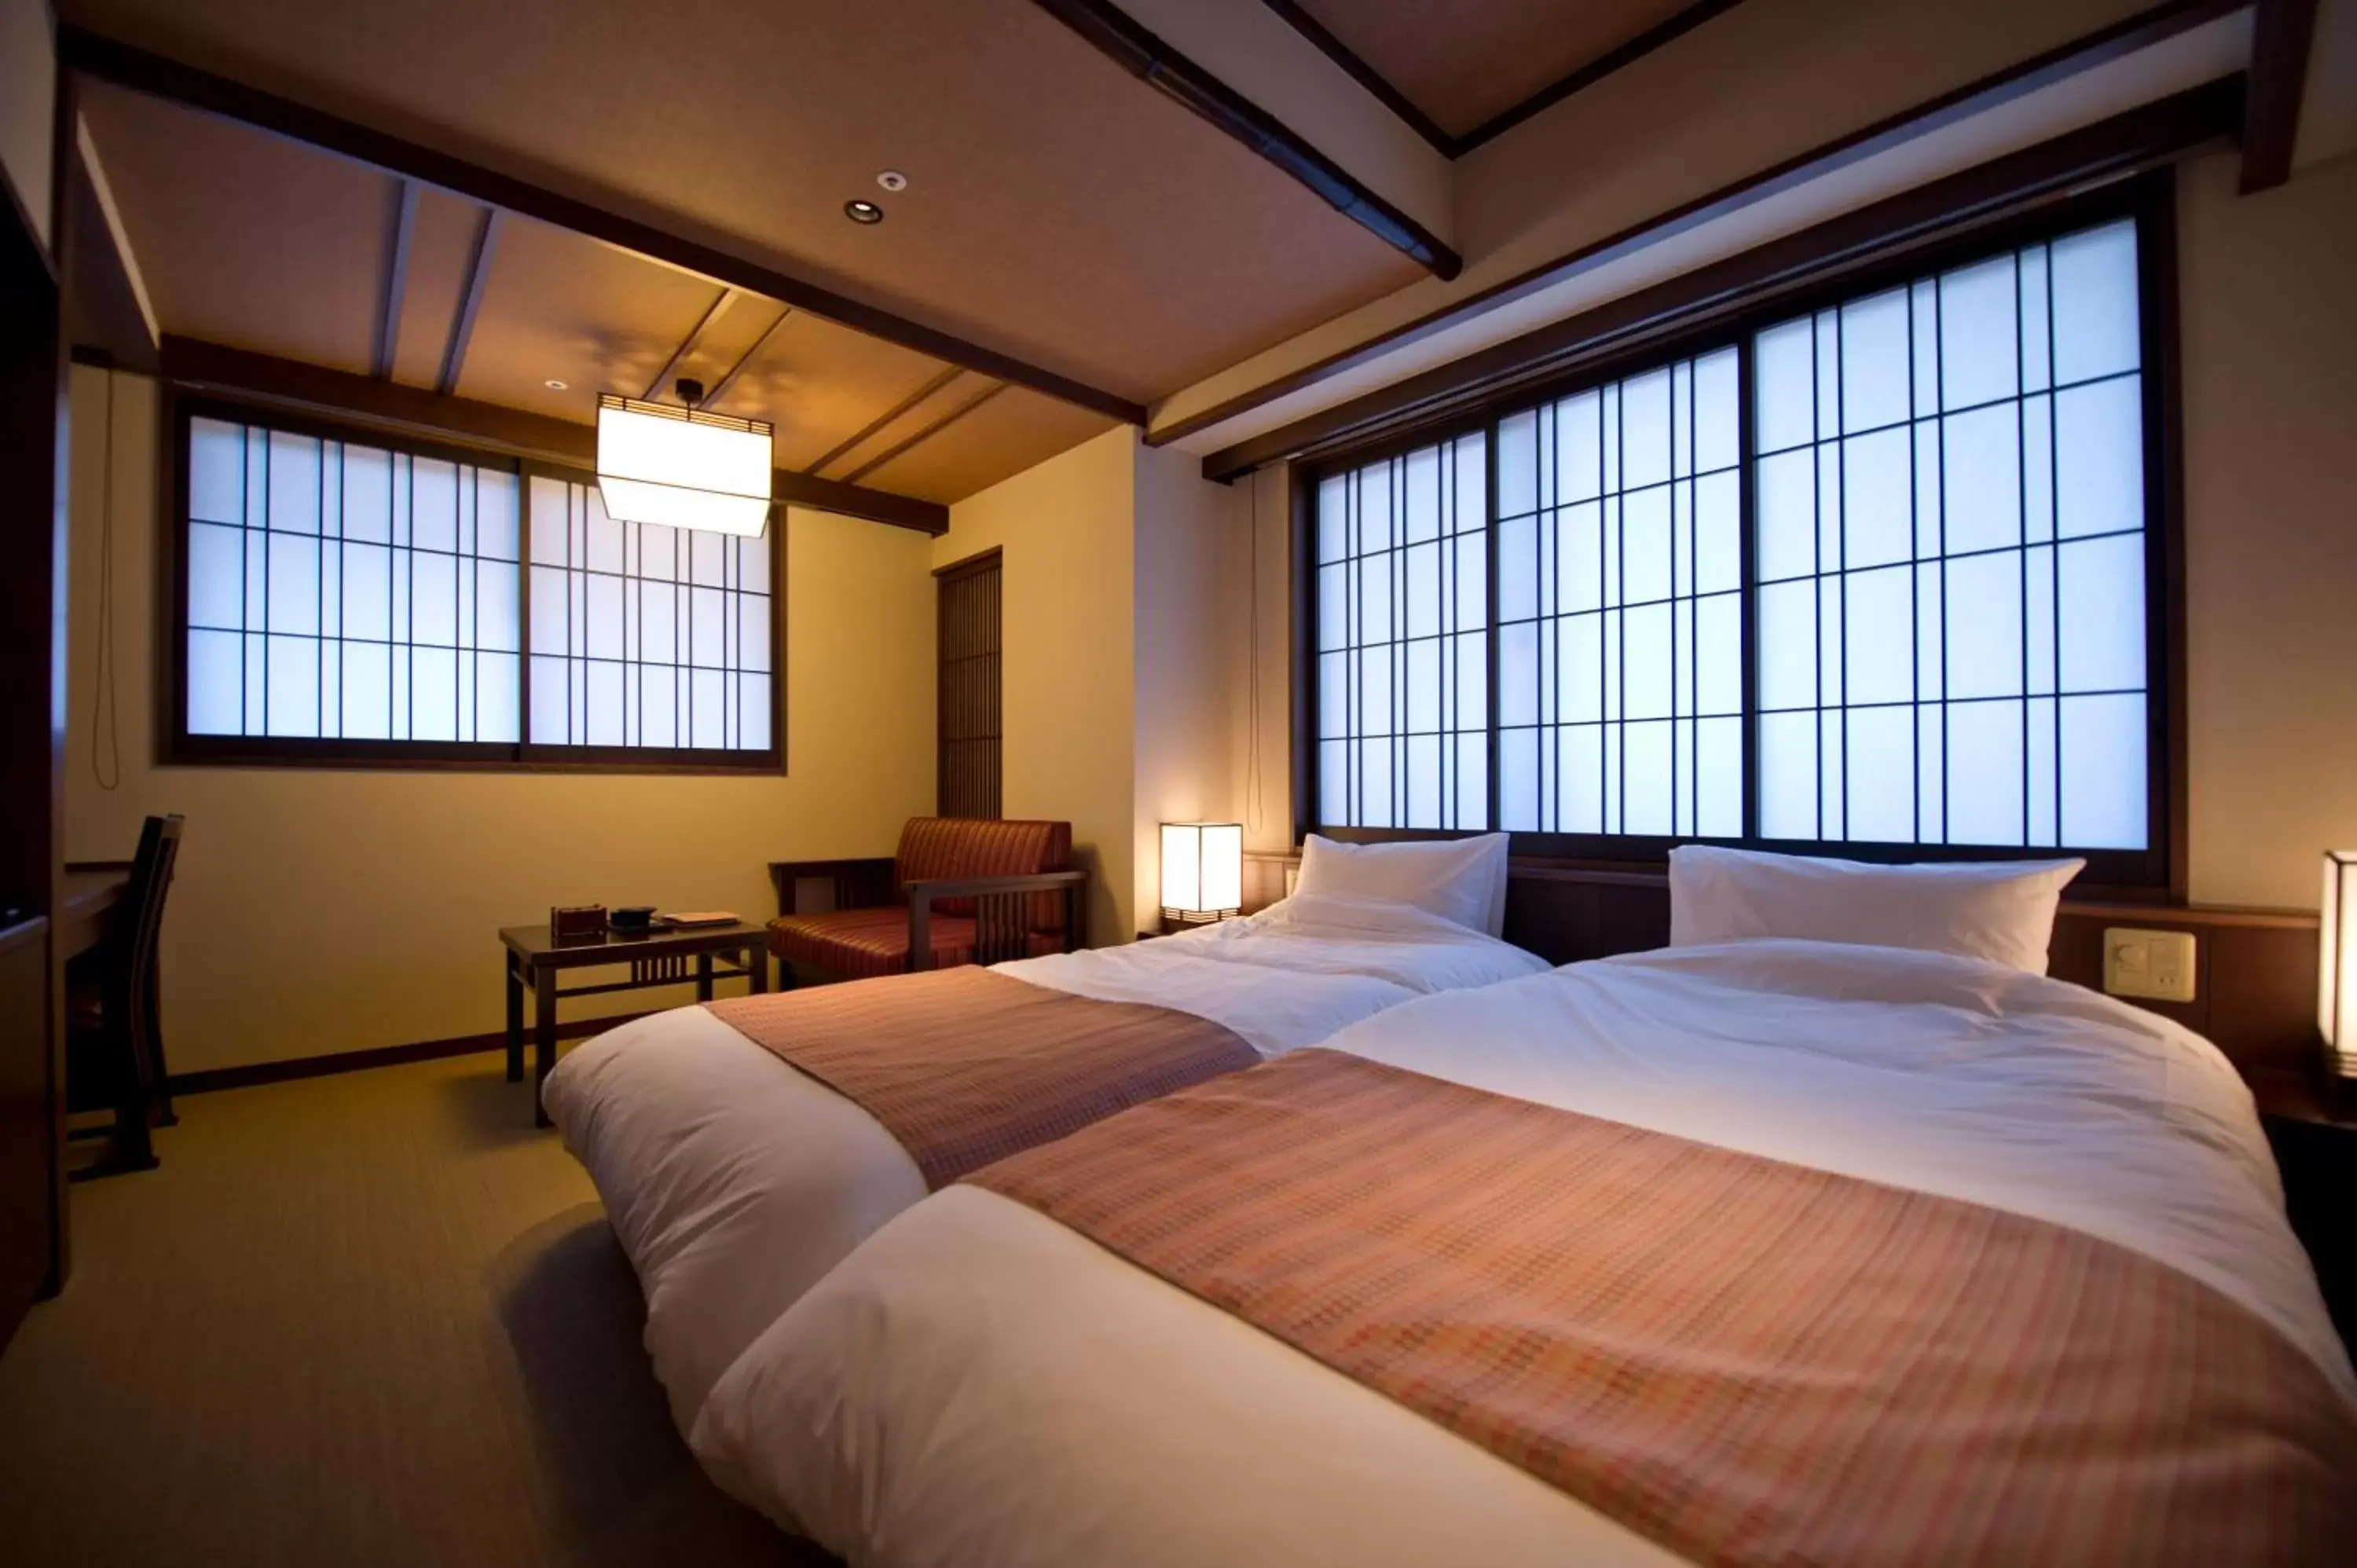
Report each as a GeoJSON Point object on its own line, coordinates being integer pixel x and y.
{"type": "Point", "coordinates": [372, 1318]}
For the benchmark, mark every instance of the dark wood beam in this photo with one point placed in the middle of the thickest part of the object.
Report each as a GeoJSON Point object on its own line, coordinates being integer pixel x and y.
{"type": "Point", "coordinates": [852, 442]}
{"type": "Point", "coordinates": [2282, 33]}
{"type": "Point", "coordinates": [95, 55]}
{"type": "Point", "coordinates": [1668, 29]}
{"type": "Point", "coordinates": [929, 432]}
{"type": "Point", "coordinates": [270, 381]}
{"type": "Point", "coordinates": [470, 304]}
{"type": "Point", "coordinates": [1910, 222]}
{"type": "Point", "coordinates": [1365, 75]}
{"type": "Point", "coordinates": [2082, 54]}
{"type": "Point", "coordinates": [396, 277]}
{"type": "Point", "coordinates": [1111, 32]}
{"type": "Point", "coordinates": [728, 296]}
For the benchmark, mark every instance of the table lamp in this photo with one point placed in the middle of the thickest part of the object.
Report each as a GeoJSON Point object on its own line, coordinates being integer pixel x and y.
{"type": "Point", "coordinates": [1202, 871]}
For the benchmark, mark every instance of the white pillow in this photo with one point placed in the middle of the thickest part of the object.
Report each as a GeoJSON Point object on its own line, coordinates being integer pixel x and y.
{"type": "Point", "coordinates": [1999, 910]}
{"type": "Point", "coordinates": [1462, 880]}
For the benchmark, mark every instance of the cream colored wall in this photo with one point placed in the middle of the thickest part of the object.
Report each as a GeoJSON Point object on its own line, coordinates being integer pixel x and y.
{"type": "Point", "coordinates": [2269, 328]}
{"type": "Point", "coordinates": [1193, 575]}
{"type": "Point", "coordinates": [1066, 535]}
{"type": "Point", "coordinates": [320, 910]}
{"type": "Point", "coordinates": [29, 88]}
{"type": "Point", "coordinates": [1260, 664]}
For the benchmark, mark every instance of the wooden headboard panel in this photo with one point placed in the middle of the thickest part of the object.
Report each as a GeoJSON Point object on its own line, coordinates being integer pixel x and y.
{"type": "Point", "coordinates": [2254, 969]}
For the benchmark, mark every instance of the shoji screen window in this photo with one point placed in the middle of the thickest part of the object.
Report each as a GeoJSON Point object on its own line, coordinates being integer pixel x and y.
{"type": "Point", "coordinates": [1620, 608]}
{"type": "Point", "coordinates": [1402, 670]}
{"type": "Point", "coordinates": [339, 591]}
{"type": "Point", "coordinates": [1951, 558]}
{"type": "Point", "coordinates": [646, 638]}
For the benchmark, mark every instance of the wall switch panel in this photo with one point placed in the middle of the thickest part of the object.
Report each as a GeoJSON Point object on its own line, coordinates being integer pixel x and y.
{"type": "Point", "coordinates": [2158, 965]}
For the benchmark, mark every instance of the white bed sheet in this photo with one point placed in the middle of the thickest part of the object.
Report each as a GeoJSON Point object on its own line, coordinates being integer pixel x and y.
{"type": "Point", "coordinates": [978, 1385]}
{"type": "Point", "coordinates": [735, 1182]}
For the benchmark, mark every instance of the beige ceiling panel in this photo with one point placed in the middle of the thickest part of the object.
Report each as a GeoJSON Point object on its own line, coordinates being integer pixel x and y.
{"type": "Point", "coordinates": [1057, 208]}
{"type": "Point", "coordinates": [246, 239]}
{"type": "Point", "coordinates": [1014, 430]}
{"type": "Point", "coordinates": [441, 255]}
{"type": "Point", "coordinates": [728, 338]}
{"type": "Point", "coordinates": [821, 385]}
{"type": "Point", "coordinates": [1467, 60]}
{"type": "Point", "coordinates": [561, 307]}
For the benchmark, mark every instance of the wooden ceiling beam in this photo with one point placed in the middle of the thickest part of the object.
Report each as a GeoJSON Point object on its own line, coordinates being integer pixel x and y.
{"type": "Point", "coordinates": [711, 399]}
{"type": "Point", "coordinates": [2283, 31]}
{"type": "Point", "coordinates": [728, 296]}
{"type": "Point", "coordinates": [851, 442]}
{"type": "Point", "coordinates": [95, 55]}
{"type": "Point", "coordinates": [926, 434]}
{"type": "Point", "coordinates": [470, 304]}
{"type": "Point", "coordinates": [396, 277]}
{"type": "Point", "coordinates": [273, 383]}
{"type": "Point", "coordinates": [1112, 33]}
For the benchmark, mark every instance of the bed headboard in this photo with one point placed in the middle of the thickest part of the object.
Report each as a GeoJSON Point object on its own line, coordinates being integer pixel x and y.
{"type": "Point", "coordinates": [2254, 969]}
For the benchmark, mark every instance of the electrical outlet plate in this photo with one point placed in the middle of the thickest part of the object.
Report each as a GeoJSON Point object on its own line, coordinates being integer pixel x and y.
{"type": "Point", "coordinates": [2156, 965]}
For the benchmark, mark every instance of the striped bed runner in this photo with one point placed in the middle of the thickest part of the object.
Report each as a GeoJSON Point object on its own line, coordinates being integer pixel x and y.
{"type": "Point", "coordinates": [964, 1067]}
{"type": "Point", "coordinates": [1747, 1361]}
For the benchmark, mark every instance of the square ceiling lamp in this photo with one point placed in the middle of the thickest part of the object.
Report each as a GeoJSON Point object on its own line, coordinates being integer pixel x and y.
{"type": "Point", "coordinates": [682, 467]}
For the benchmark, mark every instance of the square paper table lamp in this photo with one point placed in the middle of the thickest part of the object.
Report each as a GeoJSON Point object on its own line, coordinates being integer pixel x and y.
{"type": "Point", "coordinates": [1202, 871]}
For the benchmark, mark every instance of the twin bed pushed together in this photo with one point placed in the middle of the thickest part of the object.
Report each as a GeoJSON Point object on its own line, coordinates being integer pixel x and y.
{"type": "Point", "coordinates": [744, 1148]}
{"type": "Point", "coordinates": [1835, 1233]}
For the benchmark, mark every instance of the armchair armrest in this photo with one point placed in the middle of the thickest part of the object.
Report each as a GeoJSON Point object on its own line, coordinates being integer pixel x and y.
{"type": "Point", "coordinates": [1003, 923]}
{"type": "Point", "coordinates": [859, 884]}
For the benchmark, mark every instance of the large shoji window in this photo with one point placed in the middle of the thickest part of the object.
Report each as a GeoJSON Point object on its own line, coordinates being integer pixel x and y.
{"type": "Point", "coordinates": [1403, 565]}
{"type": "Point", "coordinates": [1620, 608]}
{"type": "Point", "coordinates": [1951, 557]}
{"type": "Point", "coordinates": [644, 636]}
{"type": "Point", "coordinates": [340, 591]}
{"type": "Point", "coordinates": [346, 598]}
{"type": "Point", "coordinates": [1881, 573]}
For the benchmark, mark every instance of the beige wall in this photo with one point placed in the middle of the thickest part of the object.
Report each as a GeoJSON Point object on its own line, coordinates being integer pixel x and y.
{"type": "Point", "coordinates": [1127, 600]}
{"type": "Point", "coordinates": [28, 88]}
{"type": "Point", "coordinates": [2269, 323]}
{"type": "Point", "coordinates": [1260, 664]}
{"type": "Point", "coordinates": [1193, 593]}
{"type": "Point", "coordinates": [321, 910]}
{"type": "Point", "coordinates": [1065, 532]}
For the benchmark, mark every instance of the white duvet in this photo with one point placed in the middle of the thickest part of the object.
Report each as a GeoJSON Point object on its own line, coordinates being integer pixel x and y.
{"type": "Point", "coordinates": [978, 1385]}
{"type": "Point", "coordinates": [735, 1181]}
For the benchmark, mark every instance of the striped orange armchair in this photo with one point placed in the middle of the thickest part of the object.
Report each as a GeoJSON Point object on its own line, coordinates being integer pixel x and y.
{"type": "Point", "coordinates": [961, 890]}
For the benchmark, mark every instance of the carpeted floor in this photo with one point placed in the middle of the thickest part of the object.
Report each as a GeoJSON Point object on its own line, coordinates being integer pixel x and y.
{"type": "Point", "coordinates": [367, 1319]}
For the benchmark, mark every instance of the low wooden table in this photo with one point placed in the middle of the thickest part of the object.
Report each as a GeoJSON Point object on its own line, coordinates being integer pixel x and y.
{"type": "Point", "coordinates": [659, 957]}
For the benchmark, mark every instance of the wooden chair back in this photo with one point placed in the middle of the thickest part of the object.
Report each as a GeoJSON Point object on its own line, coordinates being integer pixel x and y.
{"type": "Point", "coordinates": [133, 950]}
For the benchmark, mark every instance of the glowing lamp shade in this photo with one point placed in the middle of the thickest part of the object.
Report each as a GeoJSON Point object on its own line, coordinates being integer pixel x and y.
{"type": "Point", "coordinates": [682, 467]}
{"type": "Point", "coordinates": [2336, 960]}
{"type": "Point", "coordinates": [1202, 871]}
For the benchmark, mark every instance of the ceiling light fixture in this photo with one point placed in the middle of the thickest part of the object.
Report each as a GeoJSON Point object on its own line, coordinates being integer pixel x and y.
{"type": "Point", "coordinates": [682, 467]}
{"type": "Point", "coordinates": [554, 385]}
{"type": "Point", "coordinates": [863, 212]}
{"type": "Point", "coordinates": [893, 180]}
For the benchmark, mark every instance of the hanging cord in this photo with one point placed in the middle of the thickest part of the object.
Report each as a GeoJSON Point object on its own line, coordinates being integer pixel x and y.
{"type": "Point", "coordinates": [105, 738]}
{"type": "Point", "coordinates": [1251, 737]}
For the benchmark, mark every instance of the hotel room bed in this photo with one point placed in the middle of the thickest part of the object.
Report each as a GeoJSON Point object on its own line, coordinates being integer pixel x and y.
{"type": "Point", "coordinates": [735, 1181]}
{"type": "Point", "coordinates": [979, 1384]}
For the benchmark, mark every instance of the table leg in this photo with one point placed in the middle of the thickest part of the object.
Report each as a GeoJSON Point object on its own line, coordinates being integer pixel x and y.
{"type": "Point", "coordinates": [703, 977]}
{"type": "Point", "coordinates": [544, 1037]}
{"type": "Point", "coordinates": [515, 1021]}
{"type": "Point", "coordinates": [757, 965]}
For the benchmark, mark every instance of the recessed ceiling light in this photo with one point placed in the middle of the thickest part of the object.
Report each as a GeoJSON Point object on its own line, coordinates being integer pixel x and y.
{"type": "Point", "coordinates": [554, 385]}
{"type": "Point", "coordinates": [863, 212]}
{"type": "Point", "coordinates": [893, 180]}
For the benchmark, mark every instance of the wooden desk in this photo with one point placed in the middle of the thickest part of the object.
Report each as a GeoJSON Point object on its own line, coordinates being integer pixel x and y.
{"type": "Point", "coordinates": [87, 894]}
{"type": "Point", "coordinates": [660, 957]}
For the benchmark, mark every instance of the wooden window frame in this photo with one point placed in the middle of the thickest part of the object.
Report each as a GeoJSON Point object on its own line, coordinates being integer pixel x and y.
{"type": "Point", "coordinates": [177, 747]}
{"type": "Point", "coordinates": [2154, 873]}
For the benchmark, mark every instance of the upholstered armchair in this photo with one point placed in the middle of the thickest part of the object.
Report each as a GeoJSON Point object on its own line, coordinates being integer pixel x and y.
{"type": "Point", "coordinates": [960, 890]}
